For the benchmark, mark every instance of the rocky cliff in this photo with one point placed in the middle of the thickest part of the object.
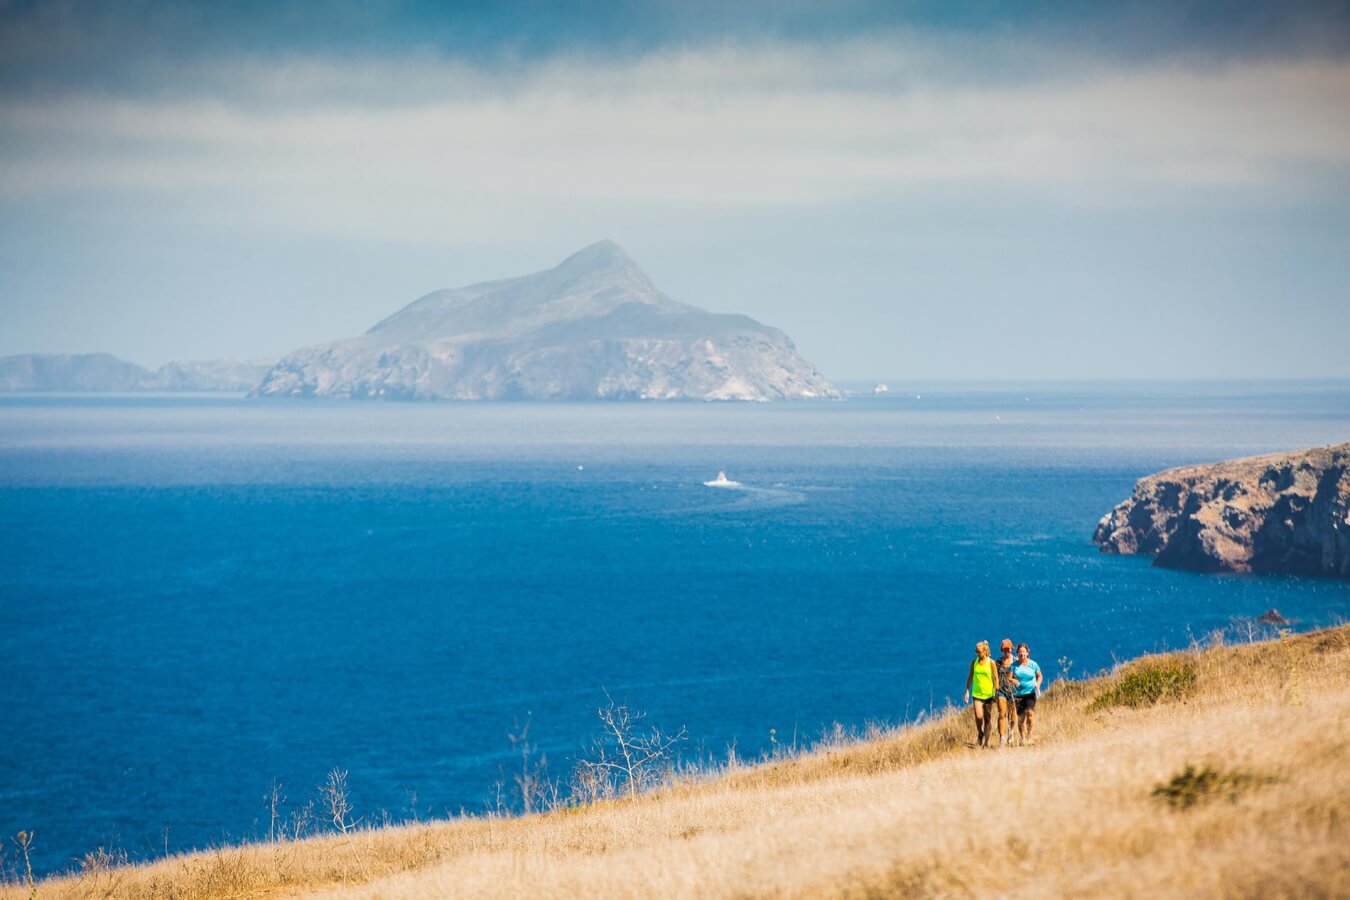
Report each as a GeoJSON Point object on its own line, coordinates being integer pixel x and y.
{"type": "Point", "coordinates": [1287, 512]}
{"type": "Point", "coordinates": [96, 372]}
{"type": "Point", "coordinates": [592, 328]}
{"type": "Point", "coordinates": [209, 375]}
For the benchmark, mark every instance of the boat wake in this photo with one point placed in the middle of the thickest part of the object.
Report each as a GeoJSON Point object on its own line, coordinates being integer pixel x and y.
{"type": "Point", "coordinates": [755, 497]}
{"type": "Point", "coordinates": [763, 498]}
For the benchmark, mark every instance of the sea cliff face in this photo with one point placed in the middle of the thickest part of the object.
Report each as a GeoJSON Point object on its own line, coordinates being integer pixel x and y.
{"type": "Point", "coordinates": [1286, 512]}
{"type": "Point", "coordinates": [209, 375]}
{"type": "Point", "coordinates": [592, 328]}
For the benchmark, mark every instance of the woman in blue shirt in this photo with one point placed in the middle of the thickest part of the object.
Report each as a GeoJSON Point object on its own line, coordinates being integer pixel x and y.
{"type": "Point", "coordinates": [1028, 676]}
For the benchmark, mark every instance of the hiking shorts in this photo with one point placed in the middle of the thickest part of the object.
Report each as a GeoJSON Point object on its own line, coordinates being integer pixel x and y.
{"type": "Point", "coordinates": [990, 705]}
{"type": "Point", "coordinates": [1025, 702]}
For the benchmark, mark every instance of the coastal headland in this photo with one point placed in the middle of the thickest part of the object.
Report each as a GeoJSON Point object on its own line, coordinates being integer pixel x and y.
{"type": "Point", "coordinates": [1281, 513]}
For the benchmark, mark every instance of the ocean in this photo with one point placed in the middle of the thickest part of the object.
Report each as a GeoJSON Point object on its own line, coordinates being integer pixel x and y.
{"type": "Point", "coordinates": [201, 596]}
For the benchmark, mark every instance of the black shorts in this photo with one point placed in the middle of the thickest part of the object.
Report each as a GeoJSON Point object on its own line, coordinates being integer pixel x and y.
{"type": "Point", "coordinates": [1025, 702]}
{"type": "Point", "coordinates": [990, 704]}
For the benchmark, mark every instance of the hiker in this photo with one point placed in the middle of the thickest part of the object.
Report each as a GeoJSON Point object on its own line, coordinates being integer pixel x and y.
{"type": "Point", "coordinates": [980, 683]}
{"type": "Point", "coordinates": [1028, 676]}
{"type": "Point", "coordinates": [1007, 693]}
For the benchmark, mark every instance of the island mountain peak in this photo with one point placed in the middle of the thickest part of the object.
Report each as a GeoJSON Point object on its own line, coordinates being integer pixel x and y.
{"type": "Point", "coordinates": [592, 327]}
{"type": "Point", "coordinates": [601, 256]}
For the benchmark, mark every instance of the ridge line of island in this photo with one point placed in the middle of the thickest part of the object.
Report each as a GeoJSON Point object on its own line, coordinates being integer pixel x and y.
{"type": "Point", "coordinates": [594, 327]}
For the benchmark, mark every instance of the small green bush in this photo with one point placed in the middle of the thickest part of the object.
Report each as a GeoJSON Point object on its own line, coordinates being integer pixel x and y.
{"type": "Point", "coordinates": [1190, 787]}
{"type": "Point", "coordinates": [1149, 683]}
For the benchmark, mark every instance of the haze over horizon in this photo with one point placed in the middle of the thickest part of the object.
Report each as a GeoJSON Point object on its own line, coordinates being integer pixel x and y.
{"type": "Point", "coordinates": [1042, 191]}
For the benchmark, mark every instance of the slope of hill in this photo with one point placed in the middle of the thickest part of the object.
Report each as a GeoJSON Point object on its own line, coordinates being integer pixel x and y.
{"type": "Point", "coordinates": [100, 372]}
{"type": "Point", "coordinates": [208, 375]}
{"type": "Point", "coordinates": [70, 372]}
{"type": "Point", "coordinates": [592, 328]}
{"type": "Point", "coordinates": [1213, 773]}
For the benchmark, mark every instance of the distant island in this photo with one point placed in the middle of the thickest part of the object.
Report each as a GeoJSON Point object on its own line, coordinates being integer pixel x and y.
{"type": "Point", "coordinates": [1285, 512]}
{"type": "Point", "coordinates": [592, 328]}
{"type": "Point", "coordinates": [103, 372]}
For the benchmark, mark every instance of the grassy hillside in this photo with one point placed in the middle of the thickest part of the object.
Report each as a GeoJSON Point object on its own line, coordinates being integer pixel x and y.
{"type": "Point", "coordinates": [1223, 772]}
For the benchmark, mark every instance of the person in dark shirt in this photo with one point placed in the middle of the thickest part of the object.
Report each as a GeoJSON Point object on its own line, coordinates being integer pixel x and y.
{"type": "Point", "coordinates": [1007, 693]}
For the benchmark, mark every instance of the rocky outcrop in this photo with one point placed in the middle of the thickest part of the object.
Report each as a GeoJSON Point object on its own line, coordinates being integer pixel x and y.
{"type": "Point", "coordinates": [209, 375]}
{"type": "Point", "coordinates": [1287, 512]}
{"type": "Point", "coordinates": [592, 328]}
{"type": "Point", "coordinates": [103, 372]}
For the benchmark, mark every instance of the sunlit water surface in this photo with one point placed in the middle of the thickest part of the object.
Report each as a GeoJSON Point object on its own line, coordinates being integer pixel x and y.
{"type": "Point", "coordinates": [201, 595]}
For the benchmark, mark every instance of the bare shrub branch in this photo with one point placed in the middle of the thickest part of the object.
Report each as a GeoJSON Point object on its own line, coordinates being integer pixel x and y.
{"type": "Point", "coordinates": [535, 790]}
{"type": "Point", "coordinates": [275, 800]}
{"type": "Point", "coordinates": [625, 758]}
{"type": "Point", "coordinates": [301, 820]}
{"type": "Point", "coordinates": [336, 801]}
{"type": "Point", "coordinates": [24, 840]}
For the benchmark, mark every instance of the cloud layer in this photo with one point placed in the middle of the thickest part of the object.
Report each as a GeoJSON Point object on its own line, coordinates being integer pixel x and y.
{"type": "Point", "coordinates": [935, 201]}
{"type": "Point", "coordinates": [403, 148]}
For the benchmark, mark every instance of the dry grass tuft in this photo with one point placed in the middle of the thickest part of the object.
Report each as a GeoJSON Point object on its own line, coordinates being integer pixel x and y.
{"type": "Point", "coordinates": [909, 812]}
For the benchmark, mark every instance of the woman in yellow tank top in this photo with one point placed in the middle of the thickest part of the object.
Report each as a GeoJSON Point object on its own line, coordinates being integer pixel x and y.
{"type": "Point", "coordinates": [981, 685]}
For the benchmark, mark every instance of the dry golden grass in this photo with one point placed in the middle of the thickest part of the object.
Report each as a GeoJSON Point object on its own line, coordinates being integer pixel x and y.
{"type": "Point", "coordinates": [915, 812]}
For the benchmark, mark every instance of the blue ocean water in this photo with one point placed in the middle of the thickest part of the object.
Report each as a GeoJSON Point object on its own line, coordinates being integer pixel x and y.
{"type": "Point", "coordinates": [201, 595]}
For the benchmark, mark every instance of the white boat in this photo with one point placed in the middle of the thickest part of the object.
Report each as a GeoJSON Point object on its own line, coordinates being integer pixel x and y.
{"type": "Point", "coordinates": [722, 481]}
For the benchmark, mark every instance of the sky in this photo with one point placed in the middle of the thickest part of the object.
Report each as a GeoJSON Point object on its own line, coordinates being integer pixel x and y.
{"type": "Point", "coordinates": [925, 190]}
